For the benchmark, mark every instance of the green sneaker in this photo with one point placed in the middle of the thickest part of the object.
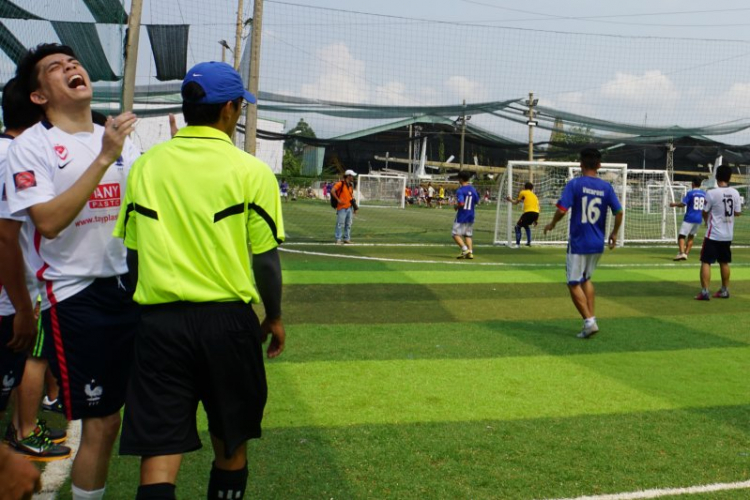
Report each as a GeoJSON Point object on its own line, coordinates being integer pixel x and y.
{"type": "Point", "coordinates": [37, 447]}
{"type": "Point", "coordinates": [57, 436]}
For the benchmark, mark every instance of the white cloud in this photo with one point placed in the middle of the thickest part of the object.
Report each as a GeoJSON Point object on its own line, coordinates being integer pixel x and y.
{"type": "Point", "coordinates": [342, 76]}
{"type": "Point", "coordinates": [651, 86]}
{"type": "Point", "coordinates": [464, 88]}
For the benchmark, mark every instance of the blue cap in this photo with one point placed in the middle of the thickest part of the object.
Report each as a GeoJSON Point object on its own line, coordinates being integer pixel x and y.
{"type": "Point", "coordinates": [220, 81]}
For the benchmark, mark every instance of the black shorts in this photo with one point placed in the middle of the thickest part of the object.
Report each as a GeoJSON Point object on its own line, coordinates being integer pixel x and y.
{"type": "Point", "coordinates": [12, 363]}
{"type": "Point", "coordinates": [186, 353]}
{"type": "Point", "coordinates": [91, 335]}
{"type": "Point", "coordinates": [527, 219]}
{"type": "Point", "coordinates": [716, 251]}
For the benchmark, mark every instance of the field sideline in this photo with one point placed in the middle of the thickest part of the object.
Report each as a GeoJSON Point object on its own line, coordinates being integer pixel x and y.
{"type": "Point", "coordinates": [424, 380]}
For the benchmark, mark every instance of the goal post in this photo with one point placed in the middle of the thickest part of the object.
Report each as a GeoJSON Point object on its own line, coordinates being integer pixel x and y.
{"type": "Point", "coordinates": [645, 195]}
{"type": "Point", "coordinates": [381, 191]}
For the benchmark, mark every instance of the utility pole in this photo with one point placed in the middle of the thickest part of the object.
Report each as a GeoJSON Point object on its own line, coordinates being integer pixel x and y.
{"type": "Point", "coordinates": [224, 47]}
{"type": "Point", "coordinates": [238, 35]}
{"type": "Point", "coordinates": [131, 55]}
{"type": "Point", "coordinates": [251, 116]}
{"type": "Point", "coordinates": [463, 136]}
{"type": "Point", "coordinates": [531, 123]}
{"type": "Point", "coordinates": [670, 161]}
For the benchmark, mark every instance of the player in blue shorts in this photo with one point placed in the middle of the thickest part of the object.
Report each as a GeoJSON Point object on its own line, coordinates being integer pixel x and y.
{"type": "Point", "coordinates": [589, 198]}
{"type": "Point", "coordinates": [694, 200]}
{"type": "Point", "coordinates": [463, 227]}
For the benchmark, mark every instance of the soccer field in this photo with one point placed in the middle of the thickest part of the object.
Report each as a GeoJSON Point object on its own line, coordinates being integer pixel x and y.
{"type": "Point", "coordinates": [411, 375]}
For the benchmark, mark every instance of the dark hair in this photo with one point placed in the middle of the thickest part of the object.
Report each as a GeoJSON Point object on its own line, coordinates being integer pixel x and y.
{"type": "Point", "coordinates": [723, 173]}
{"type": "Point", "coordinates": [528, 185]}
{"type": "Point", "coordinates": [18, 111]}
{"type": "Point", "coordinates": [27, 72]}
{"type": "Point", "coordinates": [464, 175]}
{"type": "Point", "coordinates": [591, 158]}
{"type": "Point", "coordinates": [201, 114]}
{"type": "Point", "coordinates": [696, 181]}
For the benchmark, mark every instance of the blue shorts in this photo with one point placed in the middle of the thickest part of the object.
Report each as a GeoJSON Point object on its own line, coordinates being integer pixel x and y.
{"type": "Point", "coordinates": [12, 363]}
{"type": "Point", "coordinates": [90, 341]}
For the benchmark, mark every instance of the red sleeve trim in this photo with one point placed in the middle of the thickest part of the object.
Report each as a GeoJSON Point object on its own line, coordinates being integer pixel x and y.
{"type": "Point", "coordinates": [561, 208]}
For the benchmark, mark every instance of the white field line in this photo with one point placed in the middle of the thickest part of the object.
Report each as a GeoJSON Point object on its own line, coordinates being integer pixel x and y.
{"type": "Point", "coordinates": [667, 492]}
{"type": "Point", "coordinates": [55, 473]}
{"type": "Point", "coordinates": [454, 261]}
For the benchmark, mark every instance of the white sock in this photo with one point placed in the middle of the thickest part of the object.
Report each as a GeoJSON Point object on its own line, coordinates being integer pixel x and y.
{"type": "Point", "coordinates": [464, 248]}
{"type": "Point", "coordinates": [79, 494]}
{"type": "Point", "coordinates": [590, 321]}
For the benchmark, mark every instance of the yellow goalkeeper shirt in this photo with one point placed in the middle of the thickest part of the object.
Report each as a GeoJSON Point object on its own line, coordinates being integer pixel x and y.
{"type": "Point", "coordinates": [530, 201]}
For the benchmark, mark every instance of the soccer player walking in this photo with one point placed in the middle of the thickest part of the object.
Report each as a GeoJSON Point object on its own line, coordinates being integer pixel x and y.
{"type": "Point", "coordinates": [723, 204]}
{"type": "Point", "coordinates": [463, 226]}
{"type": "Point", "coordinates": [588, 198]}
{"type": "Point", "coordinates": [694, 200]}
{"type": "Point", "coordinates": [192, 208]}
{"type": "Point", "coordinates": [67, 174]}
{"type": "Point", "coordinates": [530, 212]}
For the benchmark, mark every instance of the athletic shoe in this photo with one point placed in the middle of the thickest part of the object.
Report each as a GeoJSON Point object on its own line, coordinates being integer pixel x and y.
{"type": "Point", "coordinates": [588, 331]}
{"type": "Point", "coordinates": [462, 256]}
{"type": "Point", "coordinates": [347, 242]}
{"type": "Point", "coordinates": [37, 447]}
{"type": "Point", "coordinates": [339, 242]}
{"type": "Point", "coordinates": [703, 296]}
{"type": "Point", "coordinates": [469, 255]}
{"type": "Point", "coordinates": [680, 256]}
{"type": "Point", "coordinates": [57, 436]}
{"type": "Point", "coordinates": [722, 295]}
{"type": "Point", "coordinates": [52, 405]}
{"type": "Point", "coordinates": [515, 246]}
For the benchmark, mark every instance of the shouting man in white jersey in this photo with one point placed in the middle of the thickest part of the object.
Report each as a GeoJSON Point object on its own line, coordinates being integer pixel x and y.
{"type": "Point", "coordinates": [68, 175]}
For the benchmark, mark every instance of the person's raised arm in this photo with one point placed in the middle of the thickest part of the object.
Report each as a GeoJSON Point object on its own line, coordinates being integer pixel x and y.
{"type": "Point", "coordinates": [51, 217]}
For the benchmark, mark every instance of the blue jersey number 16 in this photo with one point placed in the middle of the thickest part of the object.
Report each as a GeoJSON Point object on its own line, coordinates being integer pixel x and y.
{"type": "Point", "coordinates": [590, 212]}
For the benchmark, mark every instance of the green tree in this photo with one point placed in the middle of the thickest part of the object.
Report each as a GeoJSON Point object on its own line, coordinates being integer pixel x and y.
{"type": "Point", "coordinates": [302, 129]}
{"type": "Point", "coordinates": [291, 165]}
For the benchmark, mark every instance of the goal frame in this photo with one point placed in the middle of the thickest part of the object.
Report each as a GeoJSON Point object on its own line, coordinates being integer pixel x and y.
{"type": "Point", "coordinates": [402, 193]}
{"type": "Point", "coordinates": [506, 237]}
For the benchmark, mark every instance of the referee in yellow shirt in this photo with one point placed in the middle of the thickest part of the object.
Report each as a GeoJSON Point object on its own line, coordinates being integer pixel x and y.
{"type": "Point", "coordinates": [193, 208]}
{"type": "Point", "coordinates": [530, 212]}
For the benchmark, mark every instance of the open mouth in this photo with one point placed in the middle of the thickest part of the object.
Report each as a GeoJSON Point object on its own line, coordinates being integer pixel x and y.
{"type": "Point", "coordinates": [76, 82]}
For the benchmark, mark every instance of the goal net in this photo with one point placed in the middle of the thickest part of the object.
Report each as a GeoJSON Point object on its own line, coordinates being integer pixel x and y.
{"type": "Point", "coordinates": [649, 217]}
{"type": "Point", "coordinates": [381, 191]}
{"type": "Point", "coordinates": [549, 179]}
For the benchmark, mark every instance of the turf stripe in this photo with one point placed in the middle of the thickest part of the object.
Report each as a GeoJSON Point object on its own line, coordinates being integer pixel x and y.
{"type": "Point", "coordinates": [379, 392]}
{"type": "Point", "coordinates": [554, 274]}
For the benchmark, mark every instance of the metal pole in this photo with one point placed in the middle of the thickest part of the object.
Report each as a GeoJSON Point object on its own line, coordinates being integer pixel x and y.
{"type": "Point", "coordinates": [531, 126]}
{"type": "Point", "coordinates": [251, 116]}
{"type": "Point", "coordinates": [238, 35]}
{"type": "Point", "coordinates": [131, 55]}
{"type": "Point", "coordinates": [463, 135]}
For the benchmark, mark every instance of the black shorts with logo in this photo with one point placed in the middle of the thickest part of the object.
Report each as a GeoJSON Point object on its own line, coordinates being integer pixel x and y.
{"type": "Point", "coordinates": [186, 353]}
{"type": "Point", "coordinates": [716, 251]}
{"type": "Point", "coordinates": [89, 345]}
{"type": "Point", "coordinates": [12, 363]}
{"type": "Point", "coordinates": [527, 219]}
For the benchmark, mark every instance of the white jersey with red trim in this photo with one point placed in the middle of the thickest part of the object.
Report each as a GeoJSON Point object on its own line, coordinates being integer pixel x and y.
{"type": "Point", "coordinates": [721, 204]}
{"type": "Point", "coordinates": [44, 162]}
{"type": "Point", "coordinates": [25, 237]}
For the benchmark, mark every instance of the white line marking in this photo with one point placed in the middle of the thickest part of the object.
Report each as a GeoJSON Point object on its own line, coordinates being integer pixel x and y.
{"type": "Point", "coordinates": [55, 473]}
{"type": "Point", "coordinates": [667, 492]}
{"type": "Point", "coordinates": [454, 261]}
